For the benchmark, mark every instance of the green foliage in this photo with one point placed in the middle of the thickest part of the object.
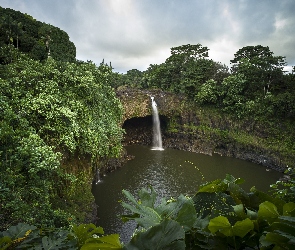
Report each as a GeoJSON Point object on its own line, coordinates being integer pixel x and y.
{"type": "Point", "coordinates": [68, 104]}
{"type": "Point", "coordinates": [221, 224]}
{"type": "Point", "coordinates": [30, 170]}
{"type": "Point", "coordinates": [166, 235]}
{"type": "Point", "coordinates": [84, 236]}
{"type": "Point", "coordinates": [208, 93]}
{"type": "Point", "coordinates": [261, 69]}
{"type": "Point", "coordinates": [48, 109]}
{"type": "Point", "coordinates": [164, 225]}
{"type": "Point", "coordinates": [255, 221]}
{"type": "Point", "coordinates": [220, 214]}
{"type": "Point", "coordinates": [85, 231]}
{"type": "Point", "coordinates": [185, 71]}
{"type": "Point", "coordinates": [51, 108]}
{"type": "Point", "coordinates": [37, 39]}
{"type": "Point", "coordinates": [146, 214]}
{"type": "Point", "coordinates": [285, 187]}
{"type": "Point", "coordinates": [281, 234]}
{"type": "Point", "coordinates": [108, 242]}
{"type": "Point", "coordinates": [259, 93]}
{"type": "Point", "coordinates": [134, 79]}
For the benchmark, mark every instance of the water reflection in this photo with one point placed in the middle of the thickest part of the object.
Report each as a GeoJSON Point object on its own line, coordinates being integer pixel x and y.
{"type": "Point", "coordinates": [170, 172]}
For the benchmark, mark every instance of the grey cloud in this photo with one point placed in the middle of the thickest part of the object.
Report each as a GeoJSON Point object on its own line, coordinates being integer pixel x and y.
{"type": "Point", "coordinates": [134, 34]}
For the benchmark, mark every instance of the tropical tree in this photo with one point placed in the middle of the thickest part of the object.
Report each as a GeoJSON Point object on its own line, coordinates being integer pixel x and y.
{"type": "Point", "coordinates": [33, 37]}
{"type": "Point", "coordinates": [262, 70]}
{"type": "Point", "coordinates": [185, 70]}
{"type": "Point", "coordinates": [188, 67]}
{"type": "Point", "coordinates": [47, 110]}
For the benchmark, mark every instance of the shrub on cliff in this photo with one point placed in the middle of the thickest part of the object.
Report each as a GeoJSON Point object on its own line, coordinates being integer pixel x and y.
{"type": "Point", "coordinates": [48, 108]}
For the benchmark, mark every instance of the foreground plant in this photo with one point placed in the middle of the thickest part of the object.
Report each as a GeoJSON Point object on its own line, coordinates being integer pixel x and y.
{"type": "Point", "coordinates": [84, 236]}
{"type": "Point", "coordinates": [221, 214]}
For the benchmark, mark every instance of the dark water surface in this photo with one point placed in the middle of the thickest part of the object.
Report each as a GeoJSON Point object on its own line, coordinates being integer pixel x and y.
{"type": "Point", "coordinates": [171, 173]}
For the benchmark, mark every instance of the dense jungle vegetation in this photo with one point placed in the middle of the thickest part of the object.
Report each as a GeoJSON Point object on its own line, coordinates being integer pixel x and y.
{"type": "Point", "coordinates": [54, 108]}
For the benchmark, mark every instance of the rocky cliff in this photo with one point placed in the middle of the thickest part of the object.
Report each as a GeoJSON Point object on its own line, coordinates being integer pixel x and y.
{"type": "Point", "coordinates": [192, 128]}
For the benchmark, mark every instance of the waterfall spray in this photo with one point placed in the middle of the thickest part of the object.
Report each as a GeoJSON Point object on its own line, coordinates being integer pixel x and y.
{"type": "Point", "coordinates": [157, 138]}
{"type": "Point", "coordinates": [97, 176]}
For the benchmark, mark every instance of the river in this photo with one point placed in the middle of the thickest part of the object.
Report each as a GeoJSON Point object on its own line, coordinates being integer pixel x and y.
{"type": "Point", "coordinates": [171, 173]}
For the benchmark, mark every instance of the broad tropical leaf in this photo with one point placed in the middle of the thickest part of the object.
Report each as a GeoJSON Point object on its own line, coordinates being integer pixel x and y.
{"type": "Point", "coordinates": [146, 214]}
{"type": "Point", "coordinates": [111, 242]}
{"type": "Point", "coordinates": [268, 211]}
{"type": "Point", "coordinates": [18, 231]}
{"type": "Point", "coordinates": [85, 231]}
{"type": "Point", "coordinates": [221, 224]}
{"type": "Point", "coordinates": [289, 209]}
{"type": "Point", "coordinates": [213, 204]}
{"type": "Point", "coordinates": [147, 198]}
{"type": "Point", "coordinates": [167, 235]}
{"type": "Point", "coordinates": [241, 228]}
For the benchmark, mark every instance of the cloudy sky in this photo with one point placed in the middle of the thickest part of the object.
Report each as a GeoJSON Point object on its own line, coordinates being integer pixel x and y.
{"type": "Point", "coordinates": [133, 34]}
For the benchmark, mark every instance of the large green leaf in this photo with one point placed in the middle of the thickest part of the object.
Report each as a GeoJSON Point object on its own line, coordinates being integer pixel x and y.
{"type": "Point", "coordinates": [279, 239]}
{"type": "Point", "coordinates": [283, 227]}
{"type": "Point", "coordinates": [130, 197]}
{"type": "Point", "coordinates": [18, 231]}
{"type": "Point", "coordinates": [186, 215]}
{"type": "Point", "coordinates": [241, 228]}
{"type": "Point", "coordinates": [201, 223]}
{"type": "Point", "coordinates": [231, 179]}
{"type": "Point", "coordinates": [284, 224]}
{"type": "Point", "coordinates": [268, 211]}
{"type": "Point", "coordinates": [147, 198]}
{"type": "Point", "coordinates": [50, 244]}
{"type": "Point", "coordinates": [281, 233]}
{"type": "Point", "coordinates": [166, 235]}
{"type": "Point", "coordinates": [237, 193]}
{"type": "Point", "coordinates": [289, 209]}
{"type": "Point", "coordinates": [181, 210]}
{"type": "Point", "coordinates": [214, 186]}
{"type": "Point", "coordinates": [85, 231]}
{"type": "Point", "coordinates": [261, 197]}
{"type": "Point", "coordinates": [221, 224]}
{"type": "Point", "coordinates": [111, 242]}
{"type": "Point", "coordinates": [290, 219]}
{"type": "Point", "coordinates": [213, 204]}
{"type": "Point", "coordinates": [251, 214]}
{"type": "Point", "coordinates": [5, 242]}
{"type": "Point", "coordinates": [240, 211]}
{"type": "Point", "coordinates": [146, 215]}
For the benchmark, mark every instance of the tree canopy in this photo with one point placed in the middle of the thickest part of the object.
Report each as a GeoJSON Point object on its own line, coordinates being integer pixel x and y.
{"type": "Point", "coordinates": [262, 69]}
{"type": "Point", "coordinates": [50, 109]}
{"type": "Point", "coordinates": [35, 38]}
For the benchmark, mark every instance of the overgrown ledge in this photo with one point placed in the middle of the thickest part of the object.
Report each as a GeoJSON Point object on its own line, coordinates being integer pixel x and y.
{"type": "Point", "coordinates": [189, 127]}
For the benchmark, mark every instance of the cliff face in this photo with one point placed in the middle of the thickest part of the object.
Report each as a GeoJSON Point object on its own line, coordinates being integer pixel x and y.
{"type": "Point", "coordinates": [137, 103]}
{"type": "Point", "coordinates": [188, 127]}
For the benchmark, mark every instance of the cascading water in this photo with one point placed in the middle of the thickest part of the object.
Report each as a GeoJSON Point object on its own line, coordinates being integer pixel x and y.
{"type": "Point", "coordinates": [157, 138]}
{"type": "Point", "coordinates": [97, 176]}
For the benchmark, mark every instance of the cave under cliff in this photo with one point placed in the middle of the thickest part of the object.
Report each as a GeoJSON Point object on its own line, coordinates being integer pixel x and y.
{"type": "Point", "coordinates": [139, 130]}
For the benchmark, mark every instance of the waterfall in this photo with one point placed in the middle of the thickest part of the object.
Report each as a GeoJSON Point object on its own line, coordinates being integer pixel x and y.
{"type": "Point", "coordinates": [157, 138]}
{"type": "Point", "coordinates": [97, 176]}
